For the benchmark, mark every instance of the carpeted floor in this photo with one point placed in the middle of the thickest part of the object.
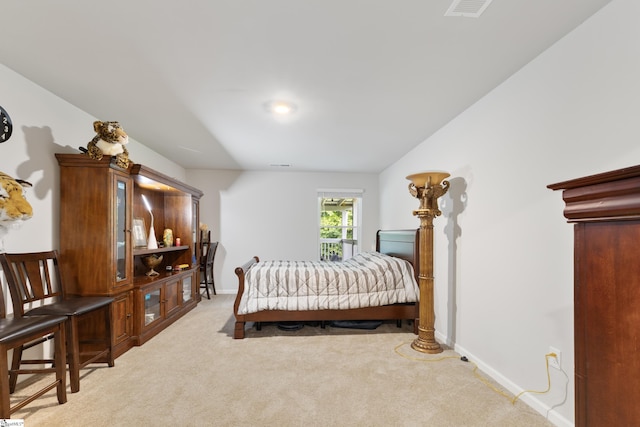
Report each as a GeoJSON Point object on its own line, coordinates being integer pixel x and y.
{"type": "Point", "coordinates": [195, 374]}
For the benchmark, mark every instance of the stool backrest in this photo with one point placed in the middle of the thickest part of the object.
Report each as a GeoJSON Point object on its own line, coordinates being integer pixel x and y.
{"type": "Point", "coordinates": [211, 252]}
{"type": "Point", "coordinates": [33, 279]}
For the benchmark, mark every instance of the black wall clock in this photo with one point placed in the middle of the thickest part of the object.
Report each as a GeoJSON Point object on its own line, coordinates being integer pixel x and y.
{"type": "Point", "coordinates": [6, 127]}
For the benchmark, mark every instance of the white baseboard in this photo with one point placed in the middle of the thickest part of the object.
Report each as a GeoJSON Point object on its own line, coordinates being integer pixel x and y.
{"type": "Point", "coordinates": [545, 410]}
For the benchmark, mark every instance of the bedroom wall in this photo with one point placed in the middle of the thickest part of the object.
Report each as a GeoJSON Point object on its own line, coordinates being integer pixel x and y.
{"type": "Point", "coordinates": [504, 252]}
{"type": "Point", "coordinates": [254, 217]}
{"type": "Point", "coordinates": [273, 215]}
{"type": "Point", "coordinates": [504, 280]}
{"type": "Point", "coordinates": [45, 124]}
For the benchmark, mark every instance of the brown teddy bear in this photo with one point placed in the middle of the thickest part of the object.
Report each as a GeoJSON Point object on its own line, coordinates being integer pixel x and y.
{"type": "Point", "coordinates": [110, 141]}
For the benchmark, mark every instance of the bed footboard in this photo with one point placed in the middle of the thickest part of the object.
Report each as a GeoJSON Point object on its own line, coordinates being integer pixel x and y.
{"type": "Point", "coordinates": [238, 331]}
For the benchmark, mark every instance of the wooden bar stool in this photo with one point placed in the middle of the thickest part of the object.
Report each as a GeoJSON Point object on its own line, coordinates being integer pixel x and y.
{"type": "Point", "coordinates": [206, 268]}
{"type": "Point", "coordinates": [35, 281]}
{"type": "Point", "coordinates": [27, 332]}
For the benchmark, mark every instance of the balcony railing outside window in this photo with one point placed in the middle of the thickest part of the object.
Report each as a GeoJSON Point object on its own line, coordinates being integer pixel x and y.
{"type": "Point", "coordinates": [337, 249]}
{"type": "Point", "coordinates": [339, 223]}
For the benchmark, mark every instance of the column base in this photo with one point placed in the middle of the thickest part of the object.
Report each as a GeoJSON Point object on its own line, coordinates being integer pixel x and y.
{"type": "Point", "coordinates": [423, 345]}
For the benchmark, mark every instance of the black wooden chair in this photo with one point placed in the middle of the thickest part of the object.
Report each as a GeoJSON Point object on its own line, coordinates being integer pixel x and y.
{"type": "Point", "coordinates": [206, 268]}
{"type": "Point", "coordinates": [36, 287]}
{"type": "Point", "coordinates": [27, 332]}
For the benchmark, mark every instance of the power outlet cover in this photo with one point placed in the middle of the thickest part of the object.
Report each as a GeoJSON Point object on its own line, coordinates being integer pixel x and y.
{"type": "Point", "coordinates": [555, 362]}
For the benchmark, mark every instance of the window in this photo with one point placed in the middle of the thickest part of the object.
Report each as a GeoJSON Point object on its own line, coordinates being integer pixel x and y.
{"type": "Point", "coordinates": [339, 223]}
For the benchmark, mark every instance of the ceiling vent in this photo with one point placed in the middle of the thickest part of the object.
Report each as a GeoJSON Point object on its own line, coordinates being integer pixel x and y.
{"type": "Point", "coordinates": [468, 8]}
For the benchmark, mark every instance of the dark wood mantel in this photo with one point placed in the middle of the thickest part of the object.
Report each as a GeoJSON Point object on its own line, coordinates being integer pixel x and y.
{"type": "Point", "coordinates": [606, 211]}
{"type": "Point", "coordinates": [602, 197]}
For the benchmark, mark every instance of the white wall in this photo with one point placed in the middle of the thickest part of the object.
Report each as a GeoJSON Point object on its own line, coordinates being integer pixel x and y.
{"type": "Point", "coordinates": [43, 125]}
{"type": "Point", "coordinates": [272, 215]}
{"type": "Point", "coordinates": [504, 252]}
{"type": "Point", "coordinates": [255, 207]}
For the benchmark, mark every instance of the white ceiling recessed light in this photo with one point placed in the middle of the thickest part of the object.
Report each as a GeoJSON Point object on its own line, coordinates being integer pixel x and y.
{"type": "Point", "coordinates": [281, 108]}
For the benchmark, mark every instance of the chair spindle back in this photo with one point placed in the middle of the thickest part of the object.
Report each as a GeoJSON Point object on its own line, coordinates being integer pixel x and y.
{"type": "Point", "coordinates": [33, 278]}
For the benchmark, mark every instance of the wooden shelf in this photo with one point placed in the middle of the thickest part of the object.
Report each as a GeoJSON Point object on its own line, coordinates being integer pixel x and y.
{"type": "Point", "coordinates": [164, 275]}
{"type": "Point", "coordinates": [138, 252]}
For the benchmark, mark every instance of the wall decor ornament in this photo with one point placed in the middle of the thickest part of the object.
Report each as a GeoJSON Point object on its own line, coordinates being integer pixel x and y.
{"type": "Point", "coordinates": [14, 207]}
{"type": "Point", "coordinates": [427, 187]}
{"type": "Point", "coordinates": [6, 126]}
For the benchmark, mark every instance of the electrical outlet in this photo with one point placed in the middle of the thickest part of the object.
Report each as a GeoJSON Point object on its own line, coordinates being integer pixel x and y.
{"type": "Point", "coordinates": [555, 362]}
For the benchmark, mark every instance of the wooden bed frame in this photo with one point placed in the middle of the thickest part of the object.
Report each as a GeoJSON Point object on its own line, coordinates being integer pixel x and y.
{"type": "Point", "coordinates": [399, 243]}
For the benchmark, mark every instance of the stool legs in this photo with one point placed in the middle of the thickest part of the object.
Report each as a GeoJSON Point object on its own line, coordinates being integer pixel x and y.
{"type": "Point", "coordinates": [60, 357]}
{"type": "Point", "coordinates": [73, 357]}
{"type": "Point", "coordinates": [206, 282]}
{"type": "Point", "coordinates": [15, 365]}
{"type": "Point", "coordinates": [213, 282]}
{"type": "Point", "coordinates": [60, 367]}
{"type": "Point", "coordinates": [5, 402]}
{"type": "Point", "coordinates": [73, 344]}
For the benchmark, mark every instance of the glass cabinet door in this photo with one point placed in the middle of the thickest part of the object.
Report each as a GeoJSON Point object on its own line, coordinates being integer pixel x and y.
{"type": "Point", "coordinates": [122, 250]}
{"type": "Point", "coordinates": [187, 289]}
{"type": "Point", "coordinates": [151, 306]}
{"type": "Point", "coordinates": [195, 228]}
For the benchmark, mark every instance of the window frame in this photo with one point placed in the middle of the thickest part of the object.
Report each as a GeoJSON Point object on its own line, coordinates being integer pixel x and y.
{"type": "Point", "coordinates": [353, 242]}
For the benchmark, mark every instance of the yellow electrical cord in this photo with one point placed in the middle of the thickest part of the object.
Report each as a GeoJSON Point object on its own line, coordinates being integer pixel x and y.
{"type": "Point", "coordinates": [481, 378]}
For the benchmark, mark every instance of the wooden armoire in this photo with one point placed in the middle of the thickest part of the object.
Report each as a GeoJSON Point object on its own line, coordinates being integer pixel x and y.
{"type": "Point", "coordinates": [98, 204]}
{"type": "Point", "coordinates": [606, 211]}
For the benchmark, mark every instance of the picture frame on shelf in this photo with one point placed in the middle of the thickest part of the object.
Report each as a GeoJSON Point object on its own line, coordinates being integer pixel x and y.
{"type": "Point", "coordinates": [139, 233]}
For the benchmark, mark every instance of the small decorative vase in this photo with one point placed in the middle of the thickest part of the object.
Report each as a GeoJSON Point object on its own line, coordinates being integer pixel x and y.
{"type": "Point", "coordinates": [151, 262]}
{"type": "Point", "coordinates": [167, 237]}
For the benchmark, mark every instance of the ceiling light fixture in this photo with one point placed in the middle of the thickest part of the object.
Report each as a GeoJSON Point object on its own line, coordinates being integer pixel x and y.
{"type": "Point", "coordinates": [281, 108]}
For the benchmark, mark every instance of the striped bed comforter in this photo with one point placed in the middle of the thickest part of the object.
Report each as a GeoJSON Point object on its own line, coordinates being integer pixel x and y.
{"type": "Point", "coordinates": [369, 279]}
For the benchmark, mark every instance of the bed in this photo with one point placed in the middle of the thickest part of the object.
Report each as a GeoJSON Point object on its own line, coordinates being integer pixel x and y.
{"type": "Point", "coordinates": [396, 255]}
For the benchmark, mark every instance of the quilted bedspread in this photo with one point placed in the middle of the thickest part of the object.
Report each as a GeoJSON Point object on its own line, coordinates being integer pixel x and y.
{"type": "Point", "coordinates": [368, 279]}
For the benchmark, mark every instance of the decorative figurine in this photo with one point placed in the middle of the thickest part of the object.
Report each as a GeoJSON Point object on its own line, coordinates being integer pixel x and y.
{"type": "Point", "coordinates": [167, 237]}
{"type": "Point", "coordinates": [110, 141]}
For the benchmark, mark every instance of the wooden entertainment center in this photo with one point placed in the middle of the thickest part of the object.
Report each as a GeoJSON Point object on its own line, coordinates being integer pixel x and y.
{"type": "Point", "coordinates": [98, 204]}
{"type": "Point", "coordinates": [606, 211]}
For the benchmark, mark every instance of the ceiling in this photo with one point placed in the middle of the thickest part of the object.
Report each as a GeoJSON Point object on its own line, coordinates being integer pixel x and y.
{"type": "Point", "coordinates": [371, 79]}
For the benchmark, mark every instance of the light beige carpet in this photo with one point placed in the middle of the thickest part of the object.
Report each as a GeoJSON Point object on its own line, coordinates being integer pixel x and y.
{"type": "Point", "coordinates": [195, 374]}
